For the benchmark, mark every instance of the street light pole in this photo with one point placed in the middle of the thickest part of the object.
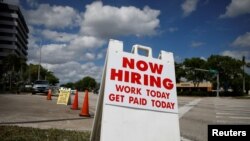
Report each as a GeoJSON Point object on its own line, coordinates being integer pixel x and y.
{"type": "Point", "coordinates": [40, 58]}
{"type": "Point", "coordinates": [244, 83]}
{"type": "Point", "coordinates": [218, 84]}
{"type": "Point", "coordinates": [243, 75]}
{"type": "Point", "coordinates": [38, 75]}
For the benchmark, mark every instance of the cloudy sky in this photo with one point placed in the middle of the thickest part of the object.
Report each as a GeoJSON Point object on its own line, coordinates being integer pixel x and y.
{"type": "Point", "coordinates": [73, 34]}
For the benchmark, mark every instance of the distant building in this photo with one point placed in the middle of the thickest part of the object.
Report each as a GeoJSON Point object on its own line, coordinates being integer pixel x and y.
{"type": "Point", "coordinates": [13, 32]}
{"type": "Point", "coordinates": [189, 86]}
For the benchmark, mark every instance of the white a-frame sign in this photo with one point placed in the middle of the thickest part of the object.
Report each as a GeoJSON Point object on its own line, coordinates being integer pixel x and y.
{"type": "Point", "coordinates": [137, 99]}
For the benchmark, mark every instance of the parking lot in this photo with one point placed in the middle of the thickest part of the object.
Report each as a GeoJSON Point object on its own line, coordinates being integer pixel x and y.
{"type": "Point", "coordinates": [35, 111]}
{"type": "Point", "coordinates": [195, 113]}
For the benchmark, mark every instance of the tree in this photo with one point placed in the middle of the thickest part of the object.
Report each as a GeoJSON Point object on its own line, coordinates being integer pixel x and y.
{"type": "Point", "coordinates": [31, 74]}
{"type": "Point", "coordinates": [51, 78]}
{"type": "Point", "coordinates": [79, 85]}
{"type": "Point", "coordinates": [12, 69]}
{"type": "Point", "coordinates": [86, 83]}
{"type": "Point", "coordinates": [229, 70]}
{"type": "Point", "coordinates": [89, 83]}
{"type": "Point", "coordinates": [69, 85]}
{"type": "Point", "coordinates": [247, 82]}
{"type": "Point", "coordinates": [193, 75]}
{"type": "Point", "coordinates": [179, 72]}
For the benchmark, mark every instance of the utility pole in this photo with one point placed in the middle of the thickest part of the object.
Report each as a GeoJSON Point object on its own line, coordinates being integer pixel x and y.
{"type": "Point", "coordinates": [218, 84]}
{"type": "Point", "coordinates": [38, 74]}
{"type": "Point", "coordinates": [29, 74]}
{"type": "Point", "coordinates": [243, 66]}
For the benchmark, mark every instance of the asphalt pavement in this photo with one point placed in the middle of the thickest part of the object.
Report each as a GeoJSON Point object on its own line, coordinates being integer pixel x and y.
{"type": "Point", "coordinates": [195, 113]}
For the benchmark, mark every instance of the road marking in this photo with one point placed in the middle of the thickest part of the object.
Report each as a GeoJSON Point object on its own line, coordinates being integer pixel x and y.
{"type": "Point", "coordinates": [221, 121]}
{"type": "Point", "coordinates": [219, 116]}
{"type": "Point", "coordinates": [223, 113]}
{"type": "Point", "coordinates": [240, 117]}
{"type": "Point", "coordinates": [184, 139]}
{"type": "Point", "coordinates": [184, 109]}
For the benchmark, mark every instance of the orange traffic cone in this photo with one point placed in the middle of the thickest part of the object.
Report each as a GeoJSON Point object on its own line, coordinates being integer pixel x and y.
{"type": "Point", "coordinates": [75, 104]}
{"type": "Point", "coordinates": [85, 106]}
{"type": "Point", "coordinates": [49, 95]}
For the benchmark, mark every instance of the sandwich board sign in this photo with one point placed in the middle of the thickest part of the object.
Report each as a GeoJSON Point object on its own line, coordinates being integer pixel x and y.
{"type": "Point", "coordinates": [137, 98]}
{"type": "Point", "coordinates": [64, 96]}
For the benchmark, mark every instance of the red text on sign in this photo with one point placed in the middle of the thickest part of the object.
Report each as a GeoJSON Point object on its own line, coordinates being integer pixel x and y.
{"type": "Point", "coordinates": [157, 94]}
{"type": "Point", "coordinates": [137, 78]}
{"type": "Point", "coordinates": [128, 89]}
{"type": "Point", "coordinates": [162, 104]}
{"type": "Point", "coordinates": [142, 65]}
{"type": "Point", "coordinates": [137, 100]}
{"type": "Point", "coordinates": [116, 97]}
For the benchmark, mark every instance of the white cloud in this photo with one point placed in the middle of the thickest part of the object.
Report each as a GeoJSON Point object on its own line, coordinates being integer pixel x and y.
{"type": "Point", "coordinates": [57, 53]}
{"type": "Point", "coordinates": [81, 48]}
{"type": "Point", "coordinates": [31, 40]}
{"type": "Point", "coordinates": [237, 54]}
{"type": "Point", "coordinates": [90, 56]}
{"type": "Point", "coordinates": [242, 41]}
{"type": "Point", "coordinates": [107, 21]}
{"type": "Point", "coordinates": [197, 44]}
{"type": "Point", "coordinates": [99, 55]}
{"type": "Point", "coordinates": [60, 47]}
{"type": "Point", "coordinates": [62, 51]}
{"type": "Point", "coordinates": [58, 36]}
{"type": "Point", "coordinates": [51, 53]}
{"type": "Point", "coordinates": [188, 7]}
{"type": "Point", "coordinates": [178, 59]}
{"type": "Point", "coordinates": [236, 8]}
{"type": "Point", "coordinates": [173, 29]}
{"type": "Point", "coordinates": [73, 71]}
{"type": "Point", "coordinates": [32, 3]}
{"type": "Point", "coordinates": [203, 58]}
{"type": "Point", "coordinates": [53, 16]}
{"type": "Point", "coordinates": [14, 2]}
{"type": "Point", "coordinates": [86, 42]}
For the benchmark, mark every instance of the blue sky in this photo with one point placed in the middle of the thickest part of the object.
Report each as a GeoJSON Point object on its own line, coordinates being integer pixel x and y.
{"type": "Point", "coordinates": [73, 34]}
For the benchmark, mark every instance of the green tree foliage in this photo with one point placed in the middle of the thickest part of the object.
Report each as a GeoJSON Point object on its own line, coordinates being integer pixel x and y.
{"type": "Point", "coordinates": [11, 75]}
{"type": "Point", "coordinates": [193, 75]}
{"type": "Point", "coordinates": [247, 84]}
{"type": "Point", "coordinates": [86, 83]}
{"type": "Point", "coordinates": [51, 78]}
{"type": "Point", "coordinates": [229, 69]}
{"type": "Point", "coordinates": [89, 83]}
{"type": "Point", "coordinates": [179, 72]}
{"type": "Point", "coordinates": [79, 85]}
{"type": "Point", "coordinates": [15, 73]}
{"type": "Point", "coordinates": [31, 74]}
{"type": "Point", "coordinates": [69, 85]}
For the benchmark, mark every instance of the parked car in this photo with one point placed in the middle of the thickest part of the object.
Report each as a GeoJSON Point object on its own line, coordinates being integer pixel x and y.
{"type": "Point", "coordinates": [40, 86]}
{"type": "Point", "coordinates": [26, 87]}
{"type": "Point", "coordinates": [72, 91]}
{"type": "Point", "coordinates": [54, 90]}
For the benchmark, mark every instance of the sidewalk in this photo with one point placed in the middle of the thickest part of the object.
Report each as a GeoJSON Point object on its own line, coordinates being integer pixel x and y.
{"type": "Point", "coordinates": [35, 111]}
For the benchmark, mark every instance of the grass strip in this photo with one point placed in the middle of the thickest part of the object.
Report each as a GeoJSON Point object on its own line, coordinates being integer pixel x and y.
{"type": "Point", "coordinates": [16, 133]}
